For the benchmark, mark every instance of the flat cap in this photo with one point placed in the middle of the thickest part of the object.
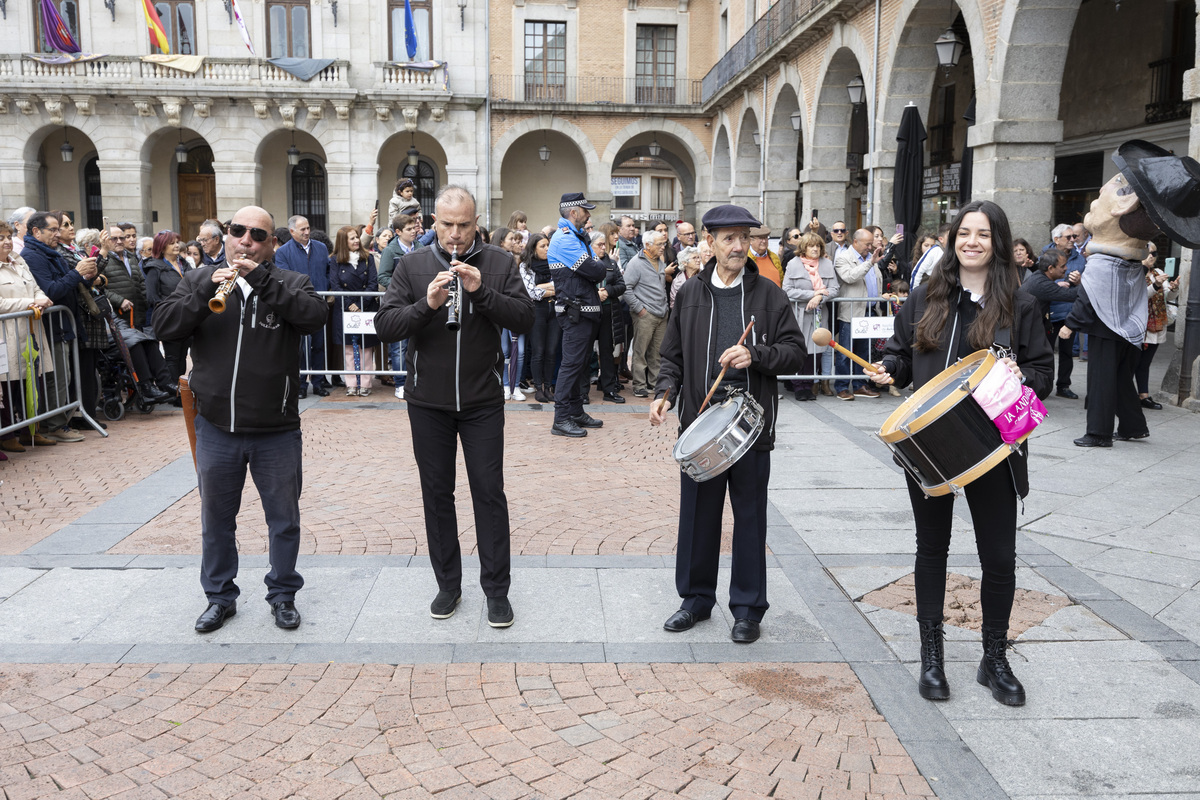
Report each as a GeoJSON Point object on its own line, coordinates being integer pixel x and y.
{"type": "Point", "coordinates": [574, 200]}
{"type": "Point", "coordinates": [763, 231]}
{"type": "Point", "coordinates": [729, 216]}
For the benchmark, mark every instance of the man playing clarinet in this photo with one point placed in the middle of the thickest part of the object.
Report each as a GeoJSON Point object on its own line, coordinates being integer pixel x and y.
{"type": "Point", "coordinates": [704, 340]}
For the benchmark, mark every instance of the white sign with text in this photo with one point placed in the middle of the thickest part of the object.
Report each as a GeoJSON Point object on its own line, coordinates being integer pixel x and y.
{"type": "Point", "coordinates": [358, 322]}
{"type": "Point", "coordinates": [872, 327]}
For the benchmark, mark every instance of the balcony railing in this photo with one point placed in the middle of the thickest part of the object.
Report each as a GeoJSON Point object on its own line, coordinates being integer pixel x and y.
{"type": "Point", "coordinates": [595, 90]}
{"type": "Point", "coordinates": [770, 29]}
{"type": "Point", "coordinates": [1166, 90]}
{"type": "Point", "coordinates": [227, 72]}
{"type": "Point", "coordinates": [400, 77]}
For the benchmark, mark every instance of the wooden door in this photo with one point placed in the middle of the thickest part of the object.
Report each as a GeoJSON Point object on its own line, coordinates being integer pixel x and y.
{"type": "Point", "coordinates": [197, 202]}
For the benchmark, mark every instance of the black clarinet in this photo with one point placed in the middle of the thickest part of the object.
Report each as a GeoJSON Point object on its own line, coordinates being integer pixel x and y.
{"type": "Point", "coordinates": [455, 299]}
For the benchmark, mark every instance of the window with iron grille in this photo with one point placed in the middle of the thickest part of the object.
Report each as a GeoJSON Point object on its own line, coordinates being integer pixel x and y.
{"type": "Point", "coordinates": [425, 183]}
{"type": "Point", "coordinates": [179, 21]}
{"type": "Point", "coordinates": [545, 60]}
{"type": "Point", "coordinates": [308, 193]}
{"type": "Point", "coordinates": [288, 30]}
{"type": "Point", "coordinates": [93, 203]}
{"type": "Point", "coordinates": [655, 64]}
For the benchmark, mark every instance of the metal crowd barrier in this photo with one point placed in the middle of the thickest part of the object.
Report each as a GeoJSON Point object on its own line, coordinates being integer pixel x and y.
{"type": "Point", "coordinates": [861, 328]}
{"type": "Point", "coordinates": [22, 376]}
{"type": "Point", "coordinates": [365, 319]}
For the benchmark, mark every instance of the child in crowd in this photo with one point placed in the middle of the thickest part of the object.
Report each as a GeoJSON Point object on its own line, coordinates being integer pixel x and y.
{"type": "Point", "coordinates": [896, 299]}
{"type": "Point", "coordinates": [402, 201]}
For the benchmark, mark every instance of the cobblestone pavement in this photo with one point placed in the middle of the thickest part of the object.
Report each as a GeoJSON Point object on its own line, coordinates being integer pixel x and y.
{"type": "Point", "coordinates": [499, 731]}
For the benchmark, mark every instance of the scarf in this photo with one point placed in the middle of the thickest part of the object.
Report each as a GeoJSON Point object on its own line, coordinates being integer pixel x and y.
{"type": "Point", "coordinates": [811, 265]}
{"type": "Point", "coordinates": [1117, 291]}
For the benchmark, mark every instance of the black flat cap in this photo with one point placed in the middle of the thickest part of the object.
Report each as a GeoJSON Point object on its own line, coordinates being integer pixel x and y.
{"type": "Point", "coordinates": [729, 216]}
{"type": "Point", "coordinates": [574, 200]}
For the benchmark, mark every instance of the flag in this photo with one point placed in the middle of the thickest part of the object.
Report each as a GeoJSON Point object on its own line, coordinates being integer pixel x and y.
{"type": "Point", "coordinates": [410, 31]}
{"type": "Point", "coordinates": [158, 34]}
{"type": "Point", "coordinates": [237, 15]}
{"type": "Point", "coordinates": [55, 31]}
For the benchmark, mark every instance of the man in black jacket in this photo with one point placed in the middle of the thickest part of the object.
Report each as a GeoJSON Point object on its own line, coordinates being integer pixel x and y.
{"type": "Point", "coordinates": [1046, 283]}
{"type": "Point", "coordinates": [246, 377]}
{"type": "Point", "coordinates": [711, 312]}
{"type": "Point", "coordinates": [454, 390]}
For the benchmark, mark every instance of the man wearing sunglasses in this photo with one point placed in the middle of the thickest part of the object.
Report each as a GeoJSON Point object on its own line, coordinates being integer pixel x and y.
{"type": "Point", "coordinates": [245, 378]}
{"type": "Point", "coordinates": [309, 257]}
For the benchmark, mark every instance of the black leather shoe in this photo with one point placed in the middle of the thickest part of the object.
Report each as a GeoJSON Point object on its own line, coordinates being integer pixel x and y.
{"type": "Point", "coordinates": [994, 671]}
{"type": "Point", "coordinates": [587, 401]}
{"type": "Point", "coordinates": [444, 604]}
{"type": "Point", "coordinates": [932, 684]}
{"type": "Point", "coordinates": [568, 428]}
{"type": "Point", "coordinates": [640, 393]}
{"type": "Point", "coordinates": [303, 392]}
{"type": "Point", "coordinates": [320, 391]}
{"type": "Point", "coordinates": [1129, 437]}
{"type": "Point", "coordinates": [586, 420]}
{"type": "Point", "coordinates": [1067, 393]}
{"type": "Point", "coordinates": [613, 397]}
{"type": "Point", "coordinates": [744, 631]}
{"type": "Point", "coordinates": [1151, 403]}
{"type": "Point", "coordinates": [683, 620]}
{"type": "Point", "coordinates": [214, 617]}
{"type": "Point", "coordinates": [500, 614]}
{"type": "Point", "coordinates": [1092, 440]}
{"type": "Point", "coordinates": [286, 615]}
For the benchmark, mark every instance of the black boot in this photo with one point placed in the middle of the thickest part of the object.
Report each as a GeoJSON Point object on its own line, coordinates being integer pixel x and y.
{"type": "Point", "coordinates": [539, 393]}
{"type": "Point", "coordinates": [151, 393]}
{"type": "Point", "coordinates": [933, 684]}
{"type": "Point", "coordinates": [994, 671]}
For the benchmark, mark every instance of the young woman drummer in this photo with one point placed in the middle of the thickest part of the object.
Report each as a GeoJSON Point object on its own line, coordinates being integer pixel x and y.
{"type": "Point", "coordinates": [970, 302]}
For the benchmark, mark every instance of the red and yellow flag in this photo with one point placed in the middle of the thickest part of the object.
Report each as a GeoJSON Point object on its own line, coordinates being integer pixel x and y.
{"type": "Point", "coordinates": [158, 34]}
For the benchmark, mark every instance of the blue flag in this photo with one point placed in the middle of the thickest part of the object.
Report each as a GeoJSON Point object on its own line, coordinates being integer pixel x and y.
{"type": "Point", "coordinates": [410, 31]}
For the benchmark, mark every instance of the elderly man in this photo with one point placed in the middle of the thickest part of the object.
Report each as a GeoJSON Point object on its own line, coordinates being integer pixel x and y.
{"type": "Point", "coordinates": [303, 254]}
{"type": "Point", "coordinates": [576, 273]}
{"type": "Point", "coordinates": [646, 295]}
{"type": "Point", "coordinates": [838, 239]}
{"type": "Point", "coordinates": [760, 252]}
{"type": "Point", "coordinates": [19, 222]}
{"type": "Point", "coordinates": [711, 312]}
{"type": "Point", "coordinates": [454, 390]}
{"type": "Point", "coordinates": [126, 285]}
{"type": "Point", "coordinates": [627, 246]}
{"type": "Point", "coordinates": [858, 276]}
{"type": "Point", "coordinates": [685, 235]}
{"type": "Point", "coordinates": [245, 365]}
{"type": "Point", "coordinates": [212, 243]}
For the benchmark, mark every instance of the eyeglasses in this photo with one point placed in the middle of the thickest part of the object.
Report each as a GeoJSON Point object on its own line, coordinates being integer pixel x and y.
{"type": "Point", "coordinates": [794, 236]}
{"type": "Point", "coordinates": [257, 234]}
{"type": "Point", "coordinates": [1071, 235]}
{"type": "Point", "coordinates": [839, 230]}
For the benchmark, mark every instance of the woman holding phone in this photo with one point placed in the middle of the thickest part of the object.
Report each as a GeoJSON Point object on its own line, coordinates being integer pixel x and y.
{"type": "Point", "coordinates": [970, 302]}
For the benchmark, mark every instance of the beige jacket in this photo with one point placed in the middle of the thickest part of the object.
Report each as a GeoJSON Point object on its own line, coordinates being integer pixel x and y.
{"type": "Point", "coordinates": [17, 290]}
{"type": "Point", "coordinates": [852, 277]}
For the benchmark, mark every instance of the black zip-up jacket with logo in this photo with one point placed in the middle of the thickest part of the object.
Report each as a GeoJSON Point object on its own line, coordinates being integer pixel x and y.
{"type": "Point", "coordinates": [454, 371]}
{"type": "Point", "coordinates": [1028, 342]}
{"type": "Point", "coordinates": [775, 342]}
{"type": "Point", "coordinates": [246, 361]}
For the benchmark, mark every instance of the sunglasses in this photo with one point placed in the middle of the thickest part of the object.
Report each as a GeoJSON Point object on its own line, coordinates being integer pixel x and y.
{"type": "Point", "coordinates": [839, 230]}
{"type": "Point", "coordinates": [257, 234]}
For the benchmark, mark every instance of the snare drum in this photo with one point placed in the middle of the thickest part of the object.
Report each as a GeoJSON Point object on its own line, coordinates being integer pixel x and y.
{"type": "Point", "coordinates": [719, 437]}
{"type": "Point", "coordinates": [941, 436]}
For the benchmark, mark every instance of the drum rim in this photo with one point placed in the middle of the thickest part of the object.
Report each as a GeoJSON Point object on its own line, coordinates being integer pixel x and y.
{"type": "Point", "coordinates": [976, 472]}
{"type": "Point", "coordinates": [890, 430]}
{"type": "Point", "coordinates": [749, 406]}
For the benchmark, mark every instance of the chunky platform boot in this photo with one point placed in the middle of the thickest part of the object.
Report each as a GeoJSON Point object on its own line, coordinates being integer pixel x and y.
{"type": "Point", "coordinates": [994, 671]}
{"type": "Point", "coordinates": [933, 684]}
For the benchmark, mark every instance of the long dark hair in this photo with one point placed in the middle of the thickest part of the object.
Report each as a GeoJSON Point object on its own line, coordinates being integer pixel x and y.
{"type": "Point", "coordinates": [530, 253]}
{"type": "Point", "coordinates": [1001, 284]}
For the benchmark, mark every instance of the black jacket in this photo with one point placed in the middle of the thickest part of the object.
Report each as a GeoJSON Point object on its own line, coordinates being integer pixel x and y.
{"type": "Point", "coordinates": [1028, 342]}
{"type": "Point", "coordinates": [454, 371]}
{"type": "Point", "coordinates": [162, 279]}
{"type": "Point", "coordinates": [775, 342]}
{"type": "Point", "coordinates": [246, 361]}
{"type": "Point", "coordinates": [1046, 291]}
{"type": "Point", "coordinates": [613, 281]}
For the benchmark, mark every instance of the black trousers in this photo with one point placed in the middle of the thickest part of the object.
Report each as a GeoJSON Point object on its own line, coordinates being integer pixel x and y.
{"type": "Point", "coordinates": [435, 436]}
{"type": "Point", "coordinates": [176, 356]}
{"type": "Point", "coordinates": [1066, 361]}
{"type": "Point", "coordinates": [149, 364]}
{"type": "Point", "coordinates": [577, 339]}
{"type": "Point", "coordinates": [993, 502]}
{"type": "Point", "coordinates": [701, 506]}
{"type": "Point", "coordinates": [1111, 364]}
{"type": "Point", "coordinates": [609, 382]}
{"type": "Point", "coordinates": [1142, 373]}
{"type": "Point", "coordinates": [312, 356]}
{"type": "Point", "coordinates": [543, 343]}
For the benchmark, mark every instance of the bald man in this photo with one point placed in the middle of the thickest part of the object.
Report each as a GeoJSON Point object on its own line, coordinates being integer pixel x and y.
{"type": "Point", "coordinates": [246, 378]}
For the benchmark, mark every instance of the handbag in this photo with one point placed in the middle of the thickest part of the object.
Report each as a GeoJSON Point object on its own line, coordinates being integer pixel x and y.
{"type": "Point", "coordinates": [1156, 320]}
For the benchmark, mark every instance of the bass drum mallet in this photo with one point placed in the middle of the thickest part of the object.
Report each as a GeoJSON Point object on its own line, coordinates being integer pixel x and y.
{"type": "Point", "coordinates": [823, 338]}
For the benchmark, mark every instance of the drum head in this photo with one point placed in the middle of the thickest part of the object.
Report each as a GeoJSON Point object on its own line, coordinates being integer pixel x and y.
{"type": "Point", "coordinates": [709, 425]}
{"type": "Point", "coordinates": [930, 400]}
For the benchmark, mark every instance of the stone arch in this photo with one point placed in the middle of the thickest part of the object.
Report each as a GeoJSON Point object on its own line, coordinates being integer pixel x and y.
{"type": "Point", "coordinates": [747, 157]}
{"type": "Point", "coordinates": [826, 176]}
{"type": "Point", "coordinates": [722, 170]}
{"type": "Point", "coordinates": [1035, 37]}
{"type": "Point", "coordinates": [688, 140]}
{"type": "Point", "coordinates": [535, 187]}
{"type": "Point", "coordinates": [597, 182]}
{"type": "Point", "coordinates": [783, 144]}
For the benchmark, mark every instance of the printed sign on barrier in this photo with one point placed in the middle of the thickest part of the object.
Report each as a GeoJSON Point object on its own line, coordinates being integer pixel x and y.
{"type": "Point", "coordinates": [872, 327]}
{"type": "Point", "coordinates": [3, 354]}
{"type": "Point", "coordinates": [358, 322]}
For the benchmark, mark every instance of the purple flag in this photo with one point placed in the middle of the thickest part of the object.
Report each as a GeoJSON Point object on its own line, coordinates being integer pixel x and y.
{"type": "Point", "coordinates": [55, 31]}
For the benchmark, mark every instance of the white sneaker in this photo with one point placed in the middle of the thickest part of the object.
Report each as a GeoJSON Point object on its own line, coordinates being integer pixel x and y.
{"type": "Point", "coordinates": [400, 392]}
{"type": "Point", "coordinates": [507, 393]}
{"type": "Point", "coordinates": [517, 395]}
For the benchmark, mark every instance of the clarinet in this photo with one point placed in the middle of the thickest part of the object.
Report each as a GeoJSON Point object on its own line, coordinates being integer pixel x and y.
{"type": "Point", "coordinates": [455, 300]}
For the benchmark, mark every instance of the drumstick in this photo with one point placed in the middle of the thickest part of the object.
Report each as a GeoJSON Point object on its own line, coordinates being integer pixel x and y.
{"type": "Point", "coordinates": [717, 382]}
{"type": "Point", "coordinates": [823, 338]}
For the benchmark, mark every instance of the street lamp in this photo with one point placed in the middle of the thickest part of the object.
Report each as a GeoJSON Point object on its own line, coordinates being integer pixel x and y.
{"type": "Point", "coordinates": [67, 149]}
{"type": "Point", "coordinates": [181, 151]}
{"type": "Point", "coordinates": [655, 148]}
{"type": "Point", "coordinates": [544, 153]}
{"type": "Point", "coordinates": [949, 48]}
{"type": "Point", "coordinates": [757, 138]}
{"type": "Point", "coordinates": [795, 121]}
{"type": "Point", "coordinates": [856, 89]}
{"type": "Point", "coordinates": [414, 156]}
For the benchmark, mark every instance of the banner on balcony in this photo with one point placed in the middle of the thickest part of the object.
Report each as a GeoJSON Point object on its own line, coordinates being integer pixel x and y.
{"type": "Point", "coordinates": [158, 34]}
{"type": "Point", "coordinates": [303, 68]}
{"type": "Point", "coordinates": [241, 23]}
{"type": "Point", "coordinates": [188, 64]}
{"type": "Point", "coordinates": [54, 30]}
{"type": "Point", "coordinates": [77, 58]}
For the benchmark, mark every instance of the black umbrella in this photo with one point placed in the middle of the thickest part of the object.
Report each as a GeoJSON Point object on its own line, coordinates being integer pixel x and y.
{"type": "Point", "coordinates": [965, 169]}
{"type": "Point", "coordinates": [910, 166]}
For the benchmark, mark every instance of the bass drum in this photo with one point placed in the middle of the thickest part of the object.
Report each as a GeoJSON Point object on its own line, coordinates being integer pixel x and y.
{"type": "Point", "coordinates": [719, 437]}
{"type": "Point", "coordinates": [941, 436]}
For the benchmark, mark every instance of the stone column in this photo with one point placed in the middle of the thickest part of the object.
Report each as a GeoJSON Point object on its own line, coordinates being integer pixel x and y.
{"type": "Point", "coordinates": [238, 184]}
{"type": "Point", "coordinates": [1014, 168]}
{"type": "Point", "coordinates": [125, 190]}
{"type": "Point", "coordinates": [883, 214]}
{"type": "Point", "coordinates": [364, 183]}
{"type": "Point", "coordinates": [19, 184]}
{"type": "Point", "coordinates": [825, 191]}
{"type": "Point", "coordinates": [339, 197]}
{"type": "Point", "coordinates": [779, 201]}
